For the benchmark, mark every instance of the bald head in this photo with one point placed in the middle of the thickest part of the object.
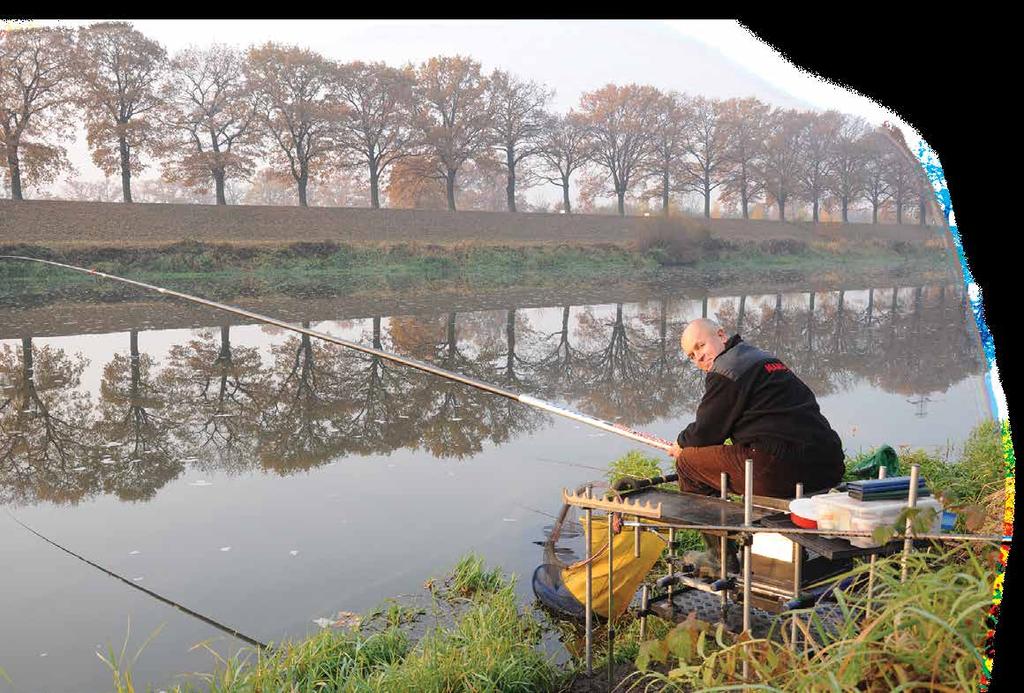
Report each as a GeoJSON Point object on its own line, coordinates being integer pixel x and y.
{"type": "Point", "coordinates": [702, 341]}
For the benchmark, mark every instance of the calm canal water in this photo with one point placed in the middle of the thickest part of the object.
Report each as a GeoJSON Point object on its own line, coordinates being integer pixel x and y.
{"type": "Point", "coordinates": [267, 480]}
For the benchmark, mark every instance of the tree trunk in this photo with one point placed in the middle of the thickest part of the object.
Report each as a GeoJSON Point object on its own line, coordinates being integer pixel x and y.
{"type": "Point", "coordinates": [27, 368]}
{"type": "Point", "coordinates": [622, 202]}
{"type": "Point", "coordinates": [449, 184]}
{"type": "Point", "coordinates": [566, 205]}
{"type": "Point", "coordinates": [218, 180]}
{"type": "Point", "coordinates": [510, 342]}
{"type": "Point", "coordinates": [874, 212]}
{"type": "Point", "coordinates": [510, 185]}
{"type": "Point", "coordinates": [899, 211]}
{"type": "Point", "coordinates": [707, 202]}
{"type": "Point", "coordinates": [302, 182]}
{"type": "Point", "coordinates": [744, 202]}
{"type": "Point", "coordinates": [225, 343]}
{"type": "Point", "coordinates": [846, 207]}
{"type": "Point", "coordinates": [664, 193]}
{"type": "Point", "coordinates": [782, 209]}
{"type": "Point", "coordinates": [814, 210]}
{"type": "Point", "coordinates": [810, 324]}
{"type": "Point", "coordinates": [374, 186]}
{"type": "Point", "coordinates": [126, 169]}
{"type": "Point", "coordinates": [922, 210]}
{"type": "Point", "coordinates": [135, 362]}
{"type": "Point", "coordinates": [14, 168]}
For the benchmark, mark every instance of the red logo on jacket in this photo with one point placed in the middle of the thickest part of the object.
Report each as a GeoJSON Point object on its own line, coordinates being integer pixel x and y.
{"type": "Point", "coordinates": [773, 367]}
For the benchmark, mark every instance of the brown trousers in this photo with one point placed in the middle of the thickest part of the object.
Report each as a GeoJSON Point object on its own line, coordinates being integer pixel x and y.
{"type": "Point", "coordinates": [700, 469]}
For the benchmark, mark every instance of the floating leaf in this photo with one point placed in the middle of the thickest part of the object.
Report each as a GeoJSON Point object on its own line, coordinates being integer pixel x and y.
{"type": "Point", "coordinates": [347, 619]}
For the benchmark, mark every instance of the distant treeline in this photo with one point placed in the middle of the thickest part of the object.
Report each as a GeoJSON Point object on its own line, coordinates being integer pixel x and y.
{"type": "Point", "coordinates": [422, 135]}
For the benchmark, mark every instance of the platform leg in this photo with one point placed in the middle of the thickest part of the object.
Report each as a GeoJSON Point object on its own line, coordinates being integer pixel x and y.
{"type": "Point", "coordinates": [671, 556]}
{"type": "Point", "coordinates": [748, 513]}
{"type": "Point", "coordinates": [611, 601]}
{"type": "Point", "coordinates": [908, 543]}
{"type": "Point", "coordinates": [798, 556]}
{"type": "Point", "coordinates": [873, 560]}
{"type": "Point", "coordinates": [589, 606]}
{"type": "Point", "coordinates": [723, 544]}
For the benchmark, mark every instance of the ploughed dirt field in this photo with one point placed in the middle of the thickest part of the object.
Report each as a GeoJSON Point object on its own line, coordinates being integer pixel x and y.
{"type": "Point", "coordinates": [65, 224]}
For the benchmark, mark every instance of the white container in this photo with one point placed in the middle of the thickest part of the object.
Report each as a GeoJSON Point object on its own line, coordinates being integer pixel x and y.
{"type": "Point", "coordinates": [825, 511]}
{"type": "Point", "coordinates": [843, 513]}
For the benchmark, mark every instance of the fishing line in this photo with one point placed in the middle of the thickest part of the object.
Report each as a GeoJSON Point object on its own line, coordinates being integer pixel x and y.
{"type": "Point", "coordinates": [205, 619]}
{"type": "Point", "coordinates": [572, 464]}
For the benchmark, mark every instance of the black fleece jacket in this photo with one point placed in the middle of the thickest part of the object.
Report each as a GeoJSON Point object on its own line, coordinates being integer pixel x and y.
{"type": "Point", "coordinates": [754, 399]}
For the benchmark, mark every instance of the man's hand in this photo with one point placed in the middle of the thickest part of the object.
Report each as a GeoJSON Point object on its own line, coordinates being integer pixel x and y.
{"type": "Point", "coordinates": [675, 451]}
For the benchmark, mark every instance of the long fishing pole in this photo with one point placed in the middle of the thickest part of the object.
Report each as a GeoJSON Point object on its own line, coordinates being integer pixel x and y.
{"type": "Point", "coordinates": [617, 429]}
{"type": "Point", "coordinates": [195, 614]}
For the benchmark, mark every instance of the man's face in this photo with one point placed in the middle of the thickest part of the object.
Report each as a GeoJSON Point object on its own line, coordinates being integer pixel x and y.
{"type": "Point", "coordinates": [701, 345]}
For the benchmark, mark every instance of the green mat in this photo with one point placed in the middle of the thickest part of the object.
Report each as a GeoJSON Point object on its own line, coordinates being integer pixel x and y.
{"type": "Point", "coordinates": [883, 458]}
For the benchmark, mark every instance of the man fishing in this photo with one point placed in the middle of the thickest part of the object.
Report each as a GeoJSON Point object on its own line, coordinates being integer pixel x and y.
{"type": "Point", "coordinates": [770, 415]}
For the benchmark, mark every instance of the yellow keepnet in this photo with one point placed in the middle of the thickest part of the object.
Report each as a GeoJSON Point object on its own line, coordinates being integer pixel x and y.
{"type": "Point", "coordinates": [628, 570]}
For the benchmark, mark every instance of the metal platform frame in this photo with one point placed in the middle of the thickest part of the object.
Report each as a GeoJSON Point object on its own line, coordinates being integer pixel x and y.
{"type": "Point", "coordinates": [641, 507]}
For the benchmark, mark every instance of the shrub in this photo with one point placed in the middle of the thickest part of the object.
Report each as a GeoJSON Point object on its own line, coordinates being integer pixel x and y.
{"type": "Point", "coordinates": [673, 240]}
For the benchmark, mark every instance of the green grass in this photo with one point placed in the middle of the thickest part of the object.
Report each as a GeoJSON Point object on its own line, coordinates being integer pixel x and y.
{"type": "Point", "coordinates": [636, 465]}
{"type": "Point", "coordinates": [232, 270]}
{"type": "Point", "coordinates": [470, 577]}
{"type": "Point", "coordinates": [969, 481]}
{"type": "Point", "coordinates": [819, 259]}
{"type": "Point", "coordinates": [925, 633]}
{"type": "Point", "coordinates": [491, 645]}
{"type": "Point", "coordinates": [324, 269]}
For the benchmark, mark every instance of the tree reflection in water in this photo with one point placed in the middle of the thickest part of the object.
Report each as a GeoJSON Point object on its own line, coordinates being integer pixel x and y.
{"type": "Point", "coordinates": [223, 407]}
{"type": "Point", "coordinates": [218, 393]}
{"type": "Point", "coordinates": [138, 453]}
{"type": "Point", "coordinates": [46, 439]}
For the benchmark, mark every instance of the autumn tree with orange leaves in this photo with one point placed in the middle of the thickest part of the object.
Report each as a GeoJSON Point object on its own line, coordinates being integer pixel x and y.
{"type": "Point", "coordinates": [211, 119]}
{"type": "Point", "coordinates": [119, 70]}
{"type": "Point", "coordinates": [706, 149]}
{"type": "Point", "coordinates": [746, 122]}
{"type": "Point", "coordinates": [847, 162]}
{"type": "Point", "coordinates": [878, 155]}
{"type": "Point", "coordinates": [782, 166]}
{"type": "Point", "coordinates": [903, 173]}
{"type": "Point", "coordinates": [298, 110]}
{"type": "Point", "coordinates": [409, 188]}
{"type": "Point", "coordinates": [669, 148]}
{"type": "Point", "coordinates": [375, 128]}
{"type": "Point", "coordinates": [622, 123]}
{"type": "Point", "coordinates": [35, 79]}
{"type": "Point", "coordinates": [452, 118]}
{"type": "Point", "coordinates": [565, 148]}
{"type": "Point", "coordinates": [816, 169]}
{"type": "Point", "coordinates": [518, 124]}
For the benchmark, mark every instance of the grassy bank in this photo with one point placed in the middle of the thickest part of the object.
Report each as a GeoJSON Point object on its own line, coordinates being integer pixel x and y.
{"type": "Point", "coordinates": [228, 270]}
{"type": "Point", "coordinates": [482, 641]}
{"type": "Point", "coordinates": [308, 266]}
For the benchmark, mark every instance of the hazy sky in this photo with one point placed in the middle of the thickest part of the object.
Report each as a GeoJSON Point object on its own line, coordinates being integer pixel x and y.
{"type": "Point", "coordinates": [715, 58]}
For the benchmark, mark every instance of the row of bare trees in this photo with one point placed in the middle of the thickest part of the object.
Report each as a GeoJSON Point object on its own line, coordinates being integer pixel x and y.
{"type": "Point", "coordinates": [213, 115]}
